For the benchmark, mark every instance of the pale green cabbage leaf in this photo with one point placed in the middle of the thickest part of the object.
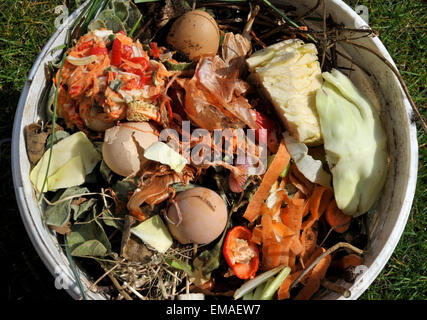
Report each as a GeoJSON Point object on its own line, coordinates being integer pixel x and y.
{"type": "Point", "coordinates": [355, 143]}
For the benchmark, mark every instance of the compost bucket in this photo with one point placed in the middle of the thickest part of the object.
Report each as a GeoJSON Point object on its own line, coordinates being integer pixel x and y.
{"type": "Point", "coordinates": [386, 223]}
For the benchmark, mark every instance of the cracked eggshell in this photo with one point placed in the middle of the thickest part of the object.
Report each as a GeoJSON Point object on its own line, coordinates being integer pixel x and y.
{"type": "Point", "coordinates": [203, 213]}
{"type": "Point", "coordinates": [195, 33]}
{"type": "Point", "coordinates": [120, 150]}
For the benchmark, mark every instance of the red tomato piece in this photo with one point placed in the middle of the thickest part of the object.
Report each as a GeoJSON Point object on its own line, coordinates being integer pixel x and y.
{"type": "Point", "coordinates": [116, 53]}
{"type": "Point", "coordinates": [98, 51]}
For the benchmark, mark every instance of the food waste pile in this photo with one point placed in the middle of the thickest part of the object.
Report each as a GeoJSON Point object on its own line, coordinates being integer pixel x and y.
{"type": "Point", "coordinates": [206, 151]}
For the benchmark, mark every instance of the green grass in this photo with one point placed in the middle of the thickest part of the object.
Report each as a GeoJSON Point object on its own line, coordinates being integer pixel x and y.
{"type": "Point", "coordinates": [25, 26]}
{"type": "Point", "coordinates": [402, 27]}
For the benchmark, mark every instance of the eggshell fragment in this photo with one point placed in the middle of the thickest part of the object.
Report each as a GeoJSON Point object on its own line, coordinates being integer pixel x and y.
{"type": "Point", "coordinates": [195, 33]}
{"type": "Point", "coordinates": [124, 146]}
{"type": "Point", "coordinates": [197, 215]}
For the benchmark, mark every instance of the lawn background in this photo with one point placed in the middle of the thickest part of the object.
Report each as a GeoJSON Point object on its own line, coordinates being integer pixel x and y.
{"type": "Point", "coordinates": [25, 26]}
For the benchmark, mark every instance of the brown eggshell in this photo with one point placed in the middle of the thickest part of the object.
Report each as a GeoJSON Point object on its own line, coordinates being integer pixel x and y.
{"type": "Point", "coordinates": [195, 33]}
{"type": "Point", "coordinates": [119, 150]}
{"type": "Point", "coordinates": [204, 216]}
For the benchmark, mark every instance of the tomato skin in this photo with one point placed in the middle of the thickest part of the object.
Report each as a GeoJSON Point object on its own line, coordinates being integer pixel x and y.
{"type": "Point", "coordinates": [98, 51]}
{"type": "Point", "coordinates": [154, 50]}
{"type": "Point", "coordinates": [116, 53]}
{"type": "Point", "coordinates": [127, 52]}
{"type": "Point", "coordinates": [142, 61]}
{"type": "Point", "coordinates": [241, 270]}
{"type": "Point", "coordinates": [85, 45]}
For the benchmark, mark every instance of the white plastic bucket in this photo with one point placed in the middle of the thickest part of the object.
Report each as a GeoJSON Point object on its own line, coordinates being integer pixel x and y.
{"type": "Point", "coordinates": [382, 86]}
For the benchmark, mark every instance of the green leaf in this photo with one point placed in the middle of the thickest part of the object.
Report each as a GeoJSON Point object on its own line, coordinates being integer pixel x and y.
{"type": "Point", "coordinates": [135, 26]}
{"type": "Point", "coordinates": [180, 265]}
{"type": "Point", "coordinates": [106, 172]}
{"type": "Point", "coordinates": [134, 18]}
{"type": "Point", "coordinates": [111, 20]}
{"type": "Point", "coordinates": [112, 221]}
{"type": "Point", "coordinates": [178, 66]}
{"type": "Point", "coordinates": [90, 248]}
{"type": "Point", "coordinates": [121, 10]}
{"type": "Point", "coordinates": [123, 188]}
{"type": "Point", "coordinates": [179, 187]}
{"type": "Point", "coordinates": [115, 84]}
{"type": "Point", "coordinates": [206, 262]}
{"type": "Point", "coordinates": [89, 238]}
{"type": "Point", "coordinates": [59, 214]}
{"type": "Point", "coordinates": [84, 207]}
{"type": "Point", "coordinates": [96, 25]}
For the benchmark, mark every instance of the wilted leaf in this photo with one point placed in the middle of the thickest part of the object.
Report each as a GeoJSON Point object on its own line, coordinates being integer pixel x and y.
{"type": "Point", "coordinates": [89, 248]}
{"type": "Point", "coordinates": [106, 172]}
{"type": "Point", "coordinates": [111, 20]}
{"type": "Point", "coordinates": [205, 263]}
{"type": "Point", "coordinates": [134, 15]}
{"type": "Point", "coordinates": [89, 238]}
{"type": "Point", "coordinates": [79, 207]}
{"type": "Point", "coordinates": [121, 10]}
{"type": "Point", "coordinates": [128, 224]}
{"type": "Point", "coordinates": [59, 214]}
{"type": "Point", "coordinates": [112, 221]}
{"type": "Point", "coordinates": [65, 230]}
{"type": "Point", "coordinates": [35, 140]}
{"type": "Point", "coordinates": [96, 25]}
{"type": "Point", "coordinates": [135, 251]}
{"type": "Point", "coordinates": [124, 188]}
{"type": "Point", "coordinates": [170, 10]}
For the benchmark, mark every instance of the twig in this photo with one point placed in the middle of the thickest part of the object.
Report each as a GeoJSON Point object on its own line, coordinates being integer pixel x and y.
{"type": "Point", "coordinates": [285, 17]}
{"type": "Point", "coordinates": [74, 196]}
{"type": "Point", "coordinates": [399, 77]}
{"type": "Point", "coordinates": [248, 27]}
{"type": "Point", "coordinates": [309, 12]}
{"type": "Point", "coordinates": [134, 291]}
{"type": "Point", "coordinates": [339, 245]}
{"type": "Point", "coordinates": [336, 288]}
{"type": "Point", "coordinates": [102, 277]}
{"type": "Point", "coordinates": [353, 62]}
{"type": "Point", "coordinates": [174, 285]}
{"type": "Point", "coordinates": [325, 37]}
{"type": "Point", "coordinates": [119, 287]}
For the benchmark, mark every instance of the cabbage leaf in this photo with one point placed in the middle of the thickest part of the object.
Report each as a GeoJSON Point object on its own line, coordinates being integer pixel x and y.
{"type": "Point", "coordinates": [355, 143]}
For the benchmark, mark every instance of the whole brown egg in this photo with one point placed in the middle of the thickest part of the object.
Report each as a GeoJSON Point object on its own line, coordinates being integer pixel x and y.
{"type": "Point", "coordinates": [195, 33]}
{"type": "Point", "coordinates": [197, 215]}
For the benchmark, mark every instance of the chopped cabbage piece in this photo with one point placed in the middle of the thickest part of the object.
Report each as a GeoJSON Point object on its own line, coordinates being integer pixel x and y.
{"type": "Point", "coordinates": [161, 152]}
{"type": "Point", "coordinates": [289, 73]}
{"type": "Point", "coordinates": [65, 150]}
{"type": "Point", "coordinates": [310, 168]}
{"type": "Point", "coordinates": [154, 233]}
{"type": "Point", "coordinates": [355, 143]}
